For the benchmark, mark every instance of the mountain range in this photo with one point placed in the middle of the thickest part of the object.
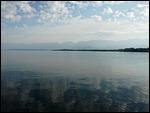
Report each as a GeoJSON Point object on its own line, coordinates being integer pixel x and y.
{"type": "Point", "coordinates": [91, 44]}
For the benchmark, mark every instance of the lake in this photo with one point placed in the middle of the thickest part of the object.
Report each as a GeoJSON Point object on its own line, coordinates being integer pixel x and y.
{"type": "Point", "coordinates": [63, 81]}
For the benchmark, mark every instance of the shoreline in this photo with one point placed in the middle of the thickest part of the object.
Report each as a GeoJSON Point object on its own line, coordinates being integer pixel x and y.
{"type": "Point", "coordinates": [92, 50]}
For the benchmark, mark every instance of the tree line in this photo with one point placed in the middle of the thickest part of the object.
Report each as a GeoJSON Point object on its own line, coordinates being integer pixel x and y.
{"type": "Point", "coordinates": [121, 50]}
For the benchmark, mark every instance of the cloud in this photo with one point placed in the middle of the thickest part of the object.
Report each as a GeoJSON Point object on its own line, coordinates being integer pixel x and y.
{"type": "Point", "coordinates": [61, 20]}
{"type": "Point", "coordinates": [97, 18]}
{"type": "Point", "coordinates": [51, 11]}
{"type": "Point", "coordinates": [25, 6]}
{"type": "Point", "coordinates": [139, 12]}
{"type": "Point", "coordinates": [76, 30]}
{"type": "Point", "coordinates": [142, 9]}
{"type": "Point", "coordinates": [130, 14]}
{"type": "Point", "coordinates": [39, 21]}
{"type": "Point", "coordinates": [9, 11]}
{"type": "Point", "coordinates": [118, 14]}
{"type": "Point", "coordinates": [145, 12]}
{"type": "Point", "coordinates": [29, 16]}
{"type": "Point", "coordinates": [140, 5]}
{"type": "Point", "coordinates": [114, 2]}
{"type": "Point", "coordinates": [80, 4]}
{"type": "Point", "coordinates": [24, 25]}
{"type": "Point", "coordinates": [54, 11]}
{"type": "Point", "coordinates": [107, 10]}
{"type": "Point", "coordinates": [96, 3]}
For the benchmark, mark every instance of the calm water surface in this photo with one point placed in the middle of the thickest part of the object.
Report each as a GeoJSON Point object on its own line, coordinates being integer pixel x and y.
{"type": "Point", "coordinates": [74, 81]}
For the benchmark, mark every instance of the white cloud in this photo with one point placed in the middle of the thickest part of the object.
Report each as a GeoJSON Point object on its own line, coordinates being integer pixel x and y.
{"type": "Point", "coordinates": [137, 13]}
{"type": "Point", "coordinates": [118, 14]}
{"type": "Point", "coordinates": [97, 18]}
{"type": "Point", "coordinates": [30, 15]}
{"type": "Point", "coordinates": [68, 27]}
{"type": "Point", "coordinates": [130, 14]}
{"type": "Point", "coordinates": [39, 21]}
{"type": "Point", "coordinates": [140, 5]}
{"type": "Point", "coordinates": [76, 30]}
{"type": "Point", "coordinates": [56, 7]}
{"type": "Point", "coordinates": [107, 10]}
{"type": "Point", "coordinates": [84, 4]}
{"type": "Point", "coordinates": [25, 6]}
{"type": "Point", "coordinates": [16, 27]}
{"type": "Point", "coordinates": [114, 2]}
{"type": "Point", "coordinates": [54, 11]}
{"type": "Point", "coordinates": [9, 11]}
{"type": "Point", "coordinates": [80, 4]}
{"type": "Point", "coordinates": [109, 19]}
{"type": "Point", "coordinates": [145, 12]}
{"type": "Point", "coordinates": [96, 3]}
{"type": "Point", "coordinates": [142, 9]}
{"type": "Point", "coordinates": [24, 25]}
{"type": "Point", "coordinates": [58, 11]}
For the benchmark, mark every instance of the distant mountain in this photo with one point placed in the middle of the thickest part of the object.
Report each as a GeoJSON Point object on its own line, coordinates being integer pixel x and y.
{"type": "Point", "coordinates": [92, 44]}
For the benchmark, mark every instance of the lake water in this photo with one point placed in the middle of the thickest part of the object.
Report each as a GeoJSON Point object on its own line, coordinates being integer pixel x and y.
{"type": "Point", "coordinates": [74, 81]}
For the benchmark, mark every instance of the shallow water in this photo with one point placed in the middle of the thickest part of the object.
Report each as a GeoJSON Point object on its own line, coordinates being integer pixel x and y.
{"type": "Point", "coordinates": [74, 81]}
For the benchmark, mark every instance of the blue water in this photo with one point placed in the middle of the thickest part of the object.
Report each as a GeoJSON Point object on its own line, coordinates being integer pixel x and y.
{"type": "Point", "coordinates": [74, 81]}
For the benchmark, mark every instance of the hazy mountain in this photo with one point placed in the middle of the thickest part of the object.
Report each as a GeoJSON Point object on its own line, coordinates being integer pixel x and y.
{"type": "Point", "coordinates": [92, 44]}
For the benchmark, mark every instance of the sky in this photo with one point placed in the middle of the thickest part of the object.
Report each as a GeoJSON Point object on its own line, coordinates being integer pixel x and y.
{"type": "Point", "coordinates": [60, 21]}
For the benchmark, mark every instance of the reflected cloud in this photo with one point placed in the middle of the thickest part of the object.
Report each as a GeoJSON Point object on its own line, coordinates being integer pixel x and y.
{"type": "Point", "coordinates": [31, 91]}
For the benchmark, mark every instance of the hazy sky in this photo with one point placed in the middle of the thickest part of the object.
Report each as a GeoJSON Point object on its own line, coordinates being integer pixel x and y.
{"type": "Point", "coordinates": [60, 21]}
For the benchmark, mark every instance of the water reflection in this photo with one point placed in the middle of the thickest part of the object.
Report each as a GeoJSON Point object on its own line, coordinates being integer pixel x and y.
{"type": "Point", "coordinates": [35, 91]}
